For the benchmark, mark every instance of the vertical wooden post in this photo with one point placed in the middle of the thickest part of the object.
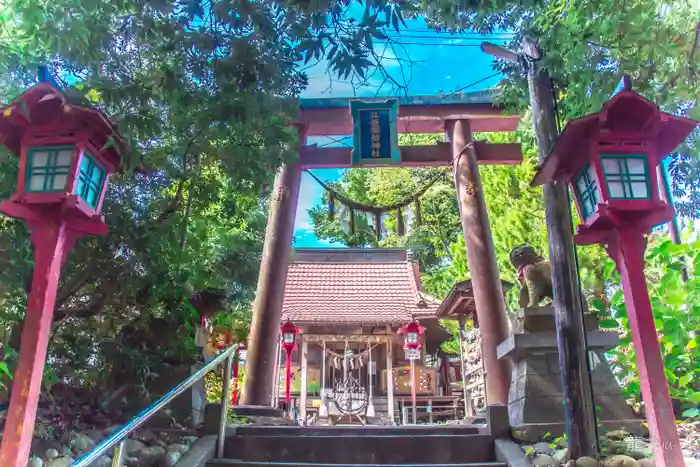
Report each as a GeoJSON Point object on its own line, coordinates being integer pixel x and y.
{"type": "Point", "coordinates": [370, 403]}
{"type": "Point", "coordinates": [276, 374]}
{"type": "Point", "coordinates": [467, 406]}
{"type": "Point", "coordinates": [628, 253]}
{"type": "Point", "coordinates": [445, 375]}
{"type": "Point", "coordinates": [267, 309]}
{"type": "Point", "coordinates": [414, 410]}
{"type": "Point", "coordinates": [323, 410]}
{"type": "Point", "coordinates": [481, 257]}
{"type": "Point", "coordinates": [568, 313]}
{"type": "Point", "coordinates": [51, 243]}
{"type": "Point", "coordinates": [304, 378]}
{"type": "Point", "coordinates": [288, 381]}
{"type": "Point", "coordinates": [390, 378]}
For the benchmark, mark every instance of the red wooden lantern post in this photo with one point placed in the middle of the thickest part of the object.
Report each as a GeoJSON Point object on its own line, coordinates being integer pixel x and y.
{"type": "Point", "coordinates": [240, 358]}
{"type": "Point", "coordinates": [609, 159]}
{"type": "Point", "coordinates": [412, 332]}
{"type": "Point", "coordinates": [67, 154]}
{"type": "Point", "coordinates": [289, 343]}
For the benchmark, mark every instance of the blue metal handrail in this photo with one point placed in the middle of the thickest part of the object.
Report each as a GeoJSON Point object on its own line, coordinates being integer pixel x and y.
{"type": "Point", "coordinates": [116, 440]}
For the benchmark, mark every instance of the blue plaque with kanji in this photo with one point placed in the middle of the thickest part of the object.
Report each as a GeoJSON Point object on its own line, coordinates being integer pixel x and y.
{"type": "Point", "coordinates": [375, 137]}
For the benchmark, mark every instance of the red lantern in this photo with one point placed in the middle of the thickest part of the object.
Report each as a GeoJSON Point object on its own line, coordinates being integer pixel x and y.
{"type": "Point", "coordinates": [412, 332]}
{"type": "Point", "coordinates": [610, 159]}
{"type": "Point", "coordinates": [289, 335]}
{"type": "Point", "coordinates": [66, 155]}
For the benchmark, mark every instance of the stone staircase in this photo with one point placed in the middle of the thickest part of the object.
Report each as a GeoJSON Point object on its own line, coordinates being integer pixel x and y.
{"type": "Point", "coordinates": [350, 446]}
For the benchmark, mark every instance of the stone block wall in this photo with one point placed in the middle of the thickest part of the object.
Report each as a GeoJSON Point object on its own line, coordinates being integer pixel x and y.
{"type": "Point", "coordinates": [536, 392]}
{"type": "Point", "coordinates": [535, 397]}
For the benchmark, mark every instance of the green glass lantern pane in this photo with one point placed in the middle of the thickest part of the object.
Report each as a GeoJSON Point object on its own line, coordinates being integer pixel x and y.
{"type": "Point", "coordinates": [636, 166]}
{"type": "Point", "coordinates": [93, 195]}
{"type": "Point", "coordinates": [59, 182]}
{"type": "Point", "coordinates": [616, 188]}
{"type": "Point", "coordinates": [48, 168]}
{"type": "Point", "coordinates": [626, 175]}
{"type": "Point", "coordinates": [91, 177]}
{"type": "Point", "coordinates": [586, 188]}
{"type": "Point", "coordinates": [85, 163]}
{"type": "Point", "coordinates": [611, 166]}
{"type": "Point", "coordinates": [97, 176]}
{"type": "Point", "coordinates": [40, 159]}
{"type": "Point", "coordinates": [36, 182]}
{"type": "Point", "coordinates": [639, 190]}
{"type": "Point", "coordinates": [80, 185]}
{"type": "Point", "coordinates": [581, 183]}
{"type": "Point", "coordinates": [63, 158]}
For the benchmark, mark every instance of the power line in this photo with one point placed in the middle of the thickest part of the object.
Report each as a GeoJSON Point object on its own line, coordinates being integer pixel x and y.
{"type": "Point", "coordinates": [445, 32]}
{"type": "Point", "coordinates": [436, 45]}
{"type": "Point", "coordinates": [451, 37]}
{"type": "Point", "coordinates": [446, 36]}
{"type": "Point", "coordinates": [466, 87]}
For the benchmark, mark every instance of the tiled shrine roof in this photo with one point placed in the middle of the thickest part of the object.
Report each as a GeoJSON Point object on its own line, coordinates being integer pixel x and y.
{"type": "Point", "coordinates": [353, 285]}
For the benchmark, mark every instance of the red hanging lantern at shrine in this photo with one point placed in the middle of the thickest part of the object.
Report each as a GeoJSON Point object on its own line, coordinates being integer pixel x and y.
{"type": "Point", "coordinates": [609, 159]}
{"type": "Point", "coordinates": [412, 333]}
{"type": "Point", "coordinates": [289, 337]}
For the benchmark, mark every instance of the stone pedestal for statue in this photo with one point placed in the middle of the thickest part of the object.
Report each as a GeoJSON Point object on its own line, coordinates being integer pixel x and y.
{"type": "Point", "coordinates": [535, 399]}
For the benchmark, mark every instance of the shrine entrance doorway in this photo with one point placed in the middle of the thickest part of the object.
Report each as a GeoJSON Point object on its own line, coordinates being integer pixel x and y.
{"type": "Point", "coordinates": [375, 124]}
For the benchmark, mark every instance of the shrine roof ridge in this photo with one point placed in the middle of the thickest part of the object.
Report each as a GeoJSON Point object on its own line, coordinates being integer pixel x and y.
{"type": "Point", "coordinates": [459, 98]}
{"type": "Point", "coordinates": [350, 255]}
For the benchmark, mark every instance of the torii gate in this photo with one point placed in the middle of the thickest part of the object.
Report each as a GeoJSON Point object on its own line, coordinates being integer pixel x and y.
{"type": "Point", "coordinates": [457, 116]}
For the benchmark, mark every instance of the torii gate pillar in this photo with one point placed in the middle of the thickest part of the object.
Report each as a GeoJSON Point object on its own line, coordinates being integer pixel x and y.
{"type": "Point", "coordinates": [267, 309]}
{"type": "Point", "coordinates": [481, 258]}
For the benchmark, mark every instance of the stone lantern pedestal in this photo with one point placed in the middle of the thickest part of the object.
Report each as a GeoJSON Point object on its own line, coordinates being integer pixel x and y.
{"type": "Point", "coordinates": [535, 399]}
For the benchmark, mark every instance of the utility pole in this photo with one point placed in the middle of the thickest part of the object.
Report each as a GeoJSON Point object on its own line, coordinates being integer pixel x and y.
{"type": "Point", "coordinates": [568, 303]}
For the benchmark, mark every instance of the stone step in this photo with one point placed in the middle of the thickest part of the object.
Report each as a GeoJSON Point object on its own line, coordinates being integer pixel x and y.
{"type": "Point", "coordinates": [240, 463]}
{"type": "Point", "coordinates": [385, 449]}
{"type": "Point", "coordinates": [340, 430]}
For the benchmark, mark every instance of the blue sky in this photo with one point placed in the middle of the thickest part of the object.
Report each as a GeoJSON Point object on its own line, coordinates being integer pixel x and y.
{"type": "Point", "coordinates": [439, 62]}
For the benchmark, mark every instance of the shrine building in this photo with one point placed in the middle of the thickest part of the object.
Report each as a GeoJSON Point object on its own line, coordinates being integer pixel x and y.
{"type": "Point", "coordinates": [350, 303]}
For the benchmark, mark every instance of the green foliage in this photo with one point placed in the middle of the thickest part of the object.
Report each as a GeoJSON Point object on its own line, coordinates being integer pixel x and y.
{"type": "Point", "coordinates": [676, 307]}
{"type": "Point", "coordinates": [387, 186]}
{"type": "Point", "coordinates": [5, 374]}
{"type": "Point", "coordinates": [588, 45]}
{"type": "Point", "coordinates": [180, 81]}
{"type": "Point", "coordinates": [214, 383]}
